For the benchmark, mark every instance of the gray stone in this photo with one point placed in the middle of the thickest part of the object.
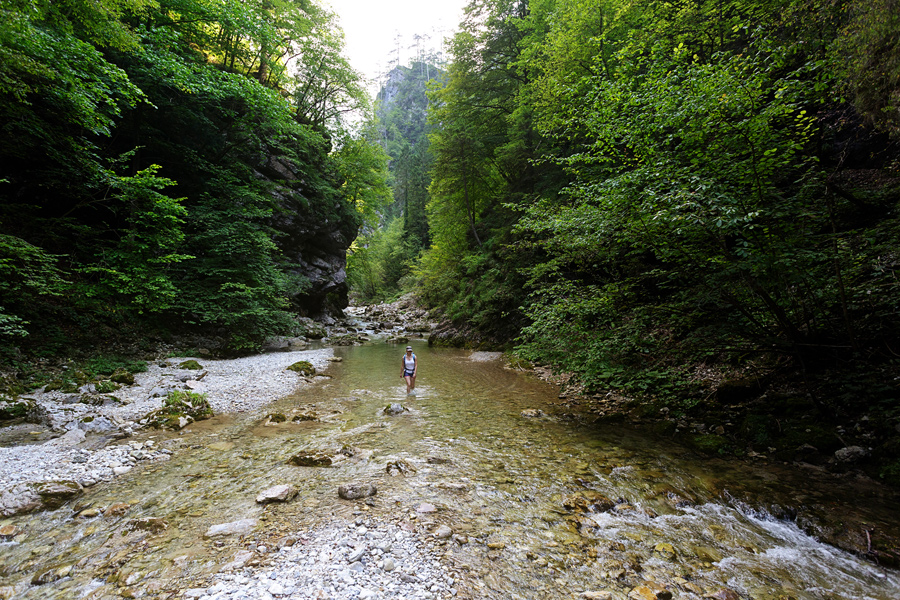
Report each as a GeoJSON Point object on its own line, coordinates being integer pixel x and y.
{"type": "Point", "coordinates": [851, 454]}
{"type": "Point", "coordinates": [241, 527]}
{"type": "Point", "coordinates": [355, 491]}
{"type": "Point", "coordinates": [278, 493]}
{"type": "Point", "coordinates": [443, 532]}
{"type": "Point", "coordinates": [356, 554]}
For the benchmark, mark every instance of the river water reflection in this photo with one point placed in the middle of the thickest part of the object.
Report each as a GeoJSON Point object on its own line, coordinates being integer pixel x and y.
{"type": "Point", "coordinates": [547, 507]}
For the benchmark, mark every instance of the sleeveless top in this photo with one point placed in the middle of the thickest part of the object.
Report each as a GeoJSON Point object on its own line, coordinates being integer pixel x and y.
{"type": "Point", "coordinates": [409, 363]}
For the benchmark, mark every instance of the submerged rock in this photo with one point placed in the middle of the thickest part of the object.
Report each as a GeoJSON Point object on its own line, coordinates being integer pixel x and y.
{"type": "Point", "coordinates": [151, 524]}
{"type": "Point", "coordinates": [588, 501]}
{"type": "Point", "coordinates": [311, 459]}
{"type": "Point", "coordinates": [241, 527]}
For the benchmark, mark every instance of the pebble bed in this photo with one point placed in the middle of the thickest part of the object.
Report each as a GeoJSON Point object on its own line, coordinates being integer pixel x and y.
{"type": "Point", "coordinates": [241, 385]}
{"type": "Point", "coordinates": [363, 559]}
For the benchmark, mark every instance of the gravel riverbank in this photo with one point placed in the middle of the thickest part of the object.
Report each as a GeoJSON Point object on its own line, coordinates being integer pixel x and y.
{"type": "Point", "coordinates": [241, 385]}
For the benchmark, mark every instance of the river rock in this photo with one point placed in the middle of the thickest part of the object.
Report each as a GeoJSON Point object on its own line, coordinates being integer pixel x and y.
{"type": "Point", "coordinates": [442, 532]}
{"type": "Point", "coordinates": [241, 527]}
{"type": "Point", "coordinates": [96, 424]}
{"type": "Point", "coordinates": [51, 575]}
{"type": "Point", "coordinates": [603, 595]}
{"type": "Point", "coordinates": [665, 550]}
{"type": "Point", "coordinates": [151, 524]}
{"type": "Point", "coordinates": [311, 459]}
{"type": "Point", "coordinates": [399, 467]}
{"type": "Point", "coordinates": [650, 591]}
{"type": "Point", "coordinates": [724, 594]}
{"type": "Point", "coordinates": [54, 494]}
{"type": "Point", "coordinates": [426, 508]}
{"type": "Point", "coordinates": [394, 408]}
{"type": "Point", "coordinates": [355, 491]}
{"type": "Point", "coordinates": [278, 493]}
{"type": "Point", "coordinates": [532, 413]}
{"type": "Point", "coordinates": [588, 501]}
{"type": "Point", "coordinates": [116, 510]}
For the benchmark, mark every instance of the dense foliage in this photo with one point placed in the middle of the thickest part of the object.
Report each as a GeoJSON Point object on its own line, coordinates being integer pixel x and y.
{"type": "Point", "coordinates": [147, 150]}
{"type": "Point", "coordinates": [639, 187]}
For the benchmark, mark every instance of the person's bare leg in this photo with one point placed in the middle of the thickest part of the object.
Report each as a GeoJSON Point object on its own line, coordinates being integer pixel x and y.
{"type": "Point", "coordinates": [409, 382]}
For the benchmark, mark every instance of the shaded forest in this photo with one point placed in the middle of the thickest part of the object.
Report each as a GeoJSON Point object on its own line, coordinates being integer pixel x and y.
{"type": "Point", "coordinates": [175, 167]}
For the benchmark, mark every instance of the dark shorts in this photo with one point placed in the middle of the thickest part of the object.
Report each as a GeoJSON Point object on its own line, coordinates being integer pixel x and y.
{"type": "Point", "coordinates": [408, 373]}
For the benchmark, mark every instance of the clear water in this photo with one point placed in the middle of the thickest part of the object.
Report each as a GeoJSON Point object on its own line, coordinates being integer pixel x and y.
{"type": "Point", "coordinates": [496, 478]}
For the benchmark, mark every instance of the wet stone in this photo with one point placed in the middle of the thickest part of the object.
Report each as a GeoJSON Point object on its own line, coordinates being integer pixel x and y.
{"type": "Point", "coordinates": [241, 527]}
{"type": "Point", "coordinates": [650, 591]}
{"type": "Point", "coordinates": [311, 459]}
{"type": "Point", "coordinates": [151, 524]}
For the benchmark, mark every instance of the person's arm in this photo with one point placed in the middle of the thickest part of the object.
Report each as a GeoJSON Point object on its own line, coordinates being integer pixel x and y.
{"type": "Point", "coordinates": [415, 366]}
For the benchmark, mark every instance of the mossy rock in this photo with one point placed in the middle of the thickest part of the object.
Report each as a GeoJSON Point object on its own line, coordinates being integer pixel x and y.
{"type": "Point", "coordinates": [13, 408]}
{"type": "Point", "coordinates": [108, 387]}
{"type": "Point", "coordinates": [303, 367]}
{"type": "Point", "coordinates": [56, 493]}
{"type": "Point", "coordinates": [311, 459]}
{"type": "Point", "coordinates": [123, 377]}
{"type": "Point", "coordinates": [180, 408]}
{"type": "Point", "coordinates": [276, 418]}
{"type": "Point", "coordinates": [303, 417]}
{"type": "Point", "coordinates": [190, 365]}
{"type": "Point", "coordinates": [708, 443]}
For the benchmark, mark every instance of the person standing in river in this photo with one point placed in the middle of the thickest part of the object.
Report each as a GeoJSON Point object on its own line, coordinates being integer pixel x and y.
{"type": "Point", "coordinates": [410, 368]}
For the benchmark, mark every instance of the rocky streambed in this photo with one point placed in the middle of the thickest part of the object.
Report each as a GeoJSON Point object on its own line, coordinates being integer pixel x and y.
{"type": "Point", "coordinates": [338, 485]}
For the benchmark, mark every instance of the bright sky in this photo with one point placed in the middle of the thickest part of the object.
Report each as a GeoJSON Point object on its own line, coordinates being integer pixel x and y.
{"type": "Point", "coordinates": [371, 30]}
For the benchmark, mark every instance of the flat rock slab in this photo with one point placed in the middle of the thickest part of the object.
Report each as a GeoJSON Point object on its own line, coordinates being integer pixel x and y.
{"type": "Point", "coordinates": [355, 491]}
{"type": "Point", "coordinates": [278, 493]}
{"type": "Point", "coordinates": [241, 527]}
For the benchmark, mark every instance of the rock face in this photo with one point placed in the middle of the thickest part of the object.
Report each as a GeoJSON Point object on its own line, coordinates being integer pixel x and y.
{"type": "Point", "coordinates": [317, 232]}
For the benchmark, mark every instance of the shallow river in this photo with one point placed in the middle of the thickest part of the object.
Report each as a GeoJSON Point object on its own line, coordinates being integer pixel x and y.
{"type": "Point", "coordinates": [545, 507]}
